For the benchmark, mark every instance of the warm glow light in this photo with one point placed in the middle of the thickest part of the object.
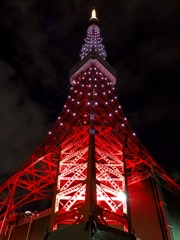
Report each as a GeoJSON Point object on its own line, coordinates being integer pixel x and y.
{"type": "Point", "coordinates": [93, 14]}
{"type": "Point", "coordinates": [122, 196]}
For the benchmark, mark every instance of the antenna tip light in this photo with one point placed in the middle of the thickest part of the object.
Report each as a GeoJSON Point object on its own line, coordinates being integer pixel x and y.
{"type": "Point", "coordinates": [93, 14]}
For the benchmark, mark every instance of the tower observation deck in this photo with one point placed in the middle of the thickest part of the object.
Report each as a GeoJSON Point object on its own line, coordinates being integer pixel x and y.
{"type": "Point", "coordinates": [91, 165]}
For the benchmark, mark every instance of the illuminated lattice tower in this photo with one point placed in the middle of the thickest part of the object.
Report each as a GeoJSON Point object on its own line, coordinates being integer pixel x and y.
{"type": "Point", "coordinates": [90, 157]}
{"type": "Point", "coordinates": [91, 176]}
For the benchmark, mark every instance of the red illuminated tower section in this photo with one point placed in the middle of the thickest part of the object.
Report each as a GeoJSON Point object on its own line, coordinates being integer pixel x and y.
{"type": "Point", "coordinates": [91, 166]}
{"type": "Point", "coordinates": [91, 178]}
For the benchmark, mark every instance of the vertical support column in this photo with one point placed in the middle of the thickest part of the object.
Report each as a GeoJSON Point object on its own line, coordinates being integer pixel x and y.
{"type": "Point", "coordinates": [127, 191]}
{"type": "Point", "coordinates": [10, 232]}
{"type": "Point", "coordinates": [167, 229]}
{"type": "Point", "coordinates": [90, 208]}
{"type": "Point", "coordinates": [54, 213]}
{"type": "Point", "coordinates": [127, 202]}
{"type": "Point", "coordinates": [29, 227]}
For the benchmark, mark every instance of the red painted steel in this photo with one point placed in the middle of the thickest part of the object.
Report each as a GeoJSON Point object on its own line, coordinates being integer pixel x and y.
{"type": "Point", "coordinates": [92, 108]}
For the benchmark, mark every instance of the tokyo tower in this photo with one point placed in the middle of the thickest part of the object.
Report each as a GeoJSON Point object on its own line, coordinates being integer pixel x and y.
{"type": "Point", "coordinates": [91, 167]}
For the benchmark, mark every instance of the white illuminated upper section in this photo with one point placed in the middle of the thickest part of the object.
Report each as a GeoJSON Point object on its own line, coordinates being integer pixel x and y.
{"type": "Point", "coordinates": [98, 62]}
{"type": "Point", "coordinates": [93, 40]}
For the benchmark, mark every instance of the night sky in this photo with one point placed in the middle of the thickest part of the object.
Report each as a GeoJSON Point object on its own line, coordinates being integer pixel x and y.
{"type": "Point", "coordinates": [40, 41]}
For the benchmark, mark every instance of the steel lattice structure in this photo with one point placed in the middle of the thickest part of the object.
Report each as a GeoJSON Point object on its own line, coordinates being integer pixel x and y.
{"type": "Point", "coordinates": [90, 154]}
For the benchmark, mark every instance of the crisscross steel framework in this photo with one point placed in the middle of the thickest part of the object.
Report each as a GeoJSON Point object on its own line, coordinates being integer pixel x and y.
{"type": "Point", "coordinates": [60, 164]}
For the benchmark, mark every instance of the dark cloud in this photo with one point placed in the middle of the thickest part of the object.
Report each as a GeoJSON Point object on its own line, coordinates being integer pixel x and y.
{"type": "Point", "coordinates": [19, 120]}
{"type": "Point", "coordinates": [41, 41]}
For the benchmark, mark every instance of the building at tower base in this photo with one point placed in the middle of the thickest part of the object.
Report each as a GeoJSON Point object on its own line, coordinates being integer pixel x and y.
{"type": "Point", "coordinates": [89, 230]}
{"type": "Point", "coordinates": [145, 216]}
{"type": "Point", "coordinates": [146, 211]}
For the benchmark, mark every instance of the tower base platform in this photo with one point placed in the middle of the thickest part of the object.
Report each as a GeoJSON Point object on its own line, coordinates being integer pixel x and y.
{"type": "Point", "coordinates": [87, 231]}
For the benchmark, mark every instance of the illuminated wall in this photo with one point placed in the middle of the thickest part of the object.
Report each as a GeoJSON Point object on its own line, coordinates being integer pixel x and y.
{"type": "Point", "coordinates": [144, 215]}
{"type": "Point", "coordinates": [35, 230]}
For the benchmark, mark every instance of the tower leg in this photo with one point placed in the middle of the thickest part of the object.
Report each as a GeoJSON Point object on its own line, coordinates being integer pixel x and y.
{"type": "Point", "coordinates": [167, 229]}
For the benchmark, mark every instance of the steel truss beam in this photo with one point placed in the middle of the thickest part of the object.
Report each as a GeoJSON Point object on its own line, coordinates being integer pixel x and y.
{"type": "Point", "coordinates": [117, 151]}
